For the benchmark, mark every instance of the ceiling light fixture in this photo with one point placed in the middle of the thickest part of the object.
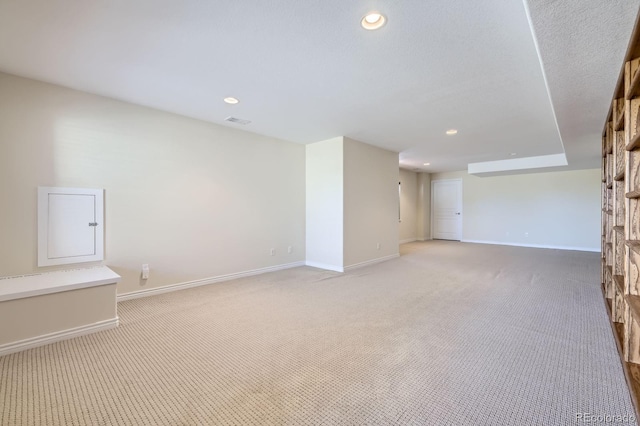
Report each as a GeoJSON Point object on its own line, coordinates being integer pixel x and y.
{"type": "Point", "coordinates": [231, 100]}
{"type": "Point", "coordinates": [513, 154]}
{"type": "Point", "coordinates": [427, 164]}
{"type": "Point", "coordinates": [452, 132]}
{"type": "Point", "coordinates": [373, 21]}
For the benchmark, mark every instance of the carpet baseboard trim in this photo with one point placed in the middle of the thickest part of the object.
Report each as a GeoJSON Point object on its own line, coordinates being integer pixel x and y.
{"type": "Point", "coordinates": [205, 281]}
{"type": "Point", "coordinates": [502, 243]}
{"type": "Point", "coordinates": [408, 240]}
{"type": "Point", "coordinates": [58, 336]}
{"type": "Point", "coordinates": [371, 262]}
{"type": "Point", "coordinates": [324, 266]}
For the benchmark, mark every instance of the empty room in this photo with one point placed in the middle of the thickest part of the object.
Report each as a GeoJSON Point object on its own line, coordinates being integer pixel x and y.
{"type": "Point", "coordinates": [319, 213]}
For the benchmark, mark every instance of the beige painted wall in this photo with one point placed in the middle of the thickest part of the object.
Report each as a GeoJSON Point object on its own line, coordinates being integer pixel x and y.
{"type": "Point", "coordinates": [324, 201]}
{"type": "Point", "coordinates": [192, 199]}
{"type": "Point", "coordinates": [408, 226]}
{"type": "Point", "coordinates": [36, 316]}
{"type": "Point", "coordinates": [558, 209]}
{"type": "Point", "coordinates": [370, 202]}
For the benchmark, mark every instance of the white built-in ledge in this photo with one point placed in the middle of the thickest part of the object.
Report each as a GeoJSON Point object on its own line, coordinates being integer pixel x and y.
{"type": "Point", "coordinates": [54, 282]}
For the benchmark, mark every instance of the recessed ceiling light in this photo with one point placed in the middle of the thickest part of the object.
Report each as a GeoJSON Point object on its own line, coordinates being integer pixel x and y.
{"type": "Point", "coordinates": [452, 132]}
{"type": "Point", "coordinates": [373, 21]}
{"type": "Point", "coordinates": [427, 164]}
{"type": "Point", "coordinates": [231, 100]}
{"type": "Point", "coordinates": [513, 154]}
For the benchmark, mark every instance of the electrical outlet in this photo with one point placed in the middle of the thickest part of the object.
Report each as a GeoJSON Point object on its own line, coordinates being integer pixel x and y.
{"type": "Point", "coordinates": [145, 271]}
{"type": "Point", "coordinates": [273, 252]}
{"type": "Point", "coordinates": [289, 249]}
{"type": "Point", "coordinates": [526, 234]}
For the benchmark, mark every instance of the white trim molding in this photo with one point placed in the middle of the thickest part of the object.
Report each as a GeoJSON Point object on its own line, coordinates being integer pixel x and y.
{"type": "Point", "coordinates": [545, 246]}
{"type": "Point", "coordinates": [205, 281]}
{"type": "Point", "coordinates": [408, 240]}
{"type": "Point", "coordinates": [371, 262]}
{"type": "Point", "coordinates": [324, 266]}
{"type": "Point", "coordinates": [58, 336]}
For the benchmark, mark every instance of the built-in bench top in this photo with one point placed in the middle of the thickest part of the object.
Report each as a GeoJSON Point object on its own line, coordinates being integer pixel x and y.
{"type": "Point", "coordinates": [54, 282]}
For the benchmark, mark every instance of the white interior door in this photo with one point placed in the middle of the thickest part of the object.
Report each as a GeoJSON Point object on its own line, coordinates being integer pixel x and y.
{"type": "Point", "coordinates": [446, 209]}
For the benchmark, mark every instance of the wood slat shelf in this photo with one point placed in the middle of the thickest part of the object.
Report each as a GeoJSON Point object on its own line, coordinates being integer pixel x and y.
{"type": "Point", "coordinates": [619, 124]}
{"type": "Point", "coordinates": [619, 330]}
{"type": "Point", "coordinates": [619, 280]}
{"type": "Point", "coordinates": [633, 143]}
{"type": "Point", "coordinates": [634, 305]}
{"type": "Point", "coordinates": [631, 370]}
{"type": "Point", "coordinates": [633, 245]}
{"type": "Point", "coordinates": [634, 87]}
{"type": "Point", "coordinates": [632, 374]}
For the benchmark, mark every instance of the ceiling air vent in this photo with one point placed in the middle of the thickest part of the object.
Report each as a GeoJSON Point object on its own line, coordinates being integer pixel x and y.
{"type": "Point", "coordinates": [237, 120]}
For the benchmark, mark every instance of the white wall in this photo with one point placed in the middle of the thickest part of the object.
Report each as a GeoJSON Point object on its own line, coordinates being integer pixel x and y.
{"type": "Point", "coordinates": [325, 204]}
{"type": "Point", "coordinates": [558, 209]}
{"type": "Point", "coordinates": [415, 205]}
{"type": "Point", "coordinates": [352, 203]}
{"type": "Point", "coordinates": [424, 206]}
{"type": "Point", "coordinates": [370, 203]}
{"type": "Point", "coordinates": [408, 226]}
{"type": "Point", "coordinates": [193, 199]}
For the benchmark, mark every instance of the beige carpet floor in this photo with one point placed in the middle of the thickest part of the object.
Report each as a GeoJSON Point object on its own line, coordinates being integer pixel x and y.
{"type": "Point", "coordinates": [447, 334]}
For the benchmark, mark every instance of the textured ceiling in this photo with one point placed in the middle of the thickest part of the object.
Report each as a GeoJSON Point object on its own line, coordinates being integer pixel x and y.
{"type": "Point", "coordinates": [582, 46]}
{"type": "Point", "coordinates": [305, 71]}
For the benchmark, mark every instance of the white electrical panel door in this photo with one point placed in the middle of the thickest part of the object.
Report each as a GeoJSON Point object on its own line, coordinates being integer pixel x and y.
{"type": "Point", "coordinates": [70, 225]}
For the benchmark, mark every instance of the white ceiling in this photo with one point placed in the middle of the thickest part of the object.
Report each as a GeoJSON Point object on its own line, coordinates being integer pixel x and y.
{"type": "Point", "coordinates": [305, 71]}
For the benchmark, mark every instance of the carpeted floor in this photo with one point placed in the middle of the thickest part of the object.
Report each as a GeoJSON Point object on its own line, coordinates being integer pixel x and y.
{"type": "Point", "coordinates": [448, 334]}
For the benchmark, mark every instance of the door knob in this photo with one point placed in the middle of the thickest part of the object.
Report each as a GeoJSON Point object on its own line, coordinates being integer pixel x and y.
{"type": "Point", "coordinates": [458, 213]}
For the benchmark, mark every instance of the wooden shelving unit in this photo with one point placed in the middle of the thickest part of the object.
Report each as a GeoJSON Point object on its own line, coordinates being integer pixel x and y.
{"type": "Point", "coordinates": [621, 216]}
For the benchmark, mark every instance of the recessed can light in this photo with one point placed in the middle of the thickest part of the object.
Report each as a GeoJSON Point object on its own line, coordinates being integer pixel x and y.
{"type": "Point", "coordinates": [452, 132]}
{"type": "Point", "coordinates": [513, 154]}
{"type": "Point", "coordinates": [231, 100]}
{"type": "Point", "coordinates": [427, 164]}
{"type": "Point", "coordinates": [373, 21]}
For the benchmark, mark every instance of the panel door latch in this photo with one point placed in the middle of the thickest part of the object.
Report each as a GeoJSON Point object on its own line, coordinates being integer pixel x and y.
{"type": "Point", "coordinates": [93, 223]}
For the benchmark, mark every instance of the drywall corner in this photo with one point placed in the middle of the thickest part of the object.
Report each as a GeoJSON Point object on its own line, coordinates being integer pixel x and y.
{"type": "Point", "coordinates": [324, 202]}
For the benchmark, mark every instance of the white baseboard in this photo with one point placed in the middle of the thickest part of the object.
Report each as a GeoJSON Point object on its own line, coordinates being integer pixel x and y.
{"type": "Point", "coordinates": [408, 240]}
{"type": "Point", "coordinates": [57, 336]}
{"type": "Point", "coordinates": [370, 262]}
{"type": "Point", "coordinates": [502, 243]}
{"type": "Point", "coordinates": [324, 266]}
{"type": "Point", "coordinates": [205, 281]}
